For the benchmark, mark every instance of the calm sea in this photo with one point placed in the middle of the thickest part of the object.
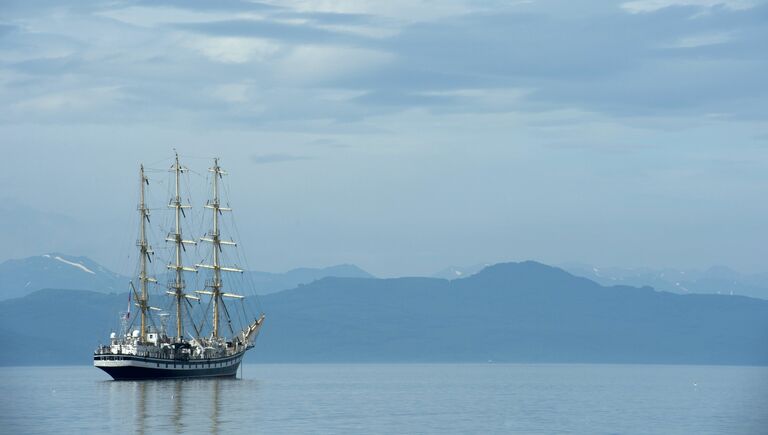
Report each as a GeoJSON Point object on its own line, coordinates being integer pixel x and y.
{"type": "Point", "coordinates": [394, 398]}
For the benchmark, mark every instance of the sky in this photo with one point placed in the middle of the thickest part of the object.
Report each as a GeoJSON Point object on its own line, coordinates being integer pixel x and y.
{"type": "Point", "coordinates": [400, 136]}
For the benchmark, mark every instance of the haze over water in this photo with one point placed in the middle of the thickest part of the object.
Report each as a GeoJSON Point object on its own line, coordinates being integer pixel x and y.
{"type": "Point", "coordinates": [394, 398]}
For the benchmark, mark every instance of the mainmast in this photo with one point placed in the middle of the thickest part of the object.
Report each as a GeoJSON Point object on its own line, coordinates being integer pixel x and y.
{"type": "Point", "coordinates": [144, 252]}
{"type": "Point", "coordinates": [178, 284]}
{"type": "Point", "coordinates": [214, 237]}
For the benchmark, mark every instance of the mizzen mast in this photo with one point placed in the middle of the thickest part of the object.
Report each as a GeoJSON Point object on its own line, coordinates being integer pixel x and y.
{"type": "Point", "coordinates": [176, 237]}
{"type": "Point", "coordinates": [214, 237]}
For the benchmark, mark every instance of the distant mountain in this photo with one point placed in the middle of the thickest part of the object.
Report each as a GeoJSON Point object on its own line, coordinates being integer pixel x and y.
{"type": "Point", "coordinates": [24, 276]}
{"type": "Point", "coordinates": [456, 272]}
{"type": "Point", "coordinates": [269, 282]}
{"type": "Point", "coordinates": [60, 271]}
{"type": "Point", "coordinates": [715, 280]}
{"type": "Point", "coordinates": [512, 312]}
{"type": "Point", "coordinates": [266, 282]}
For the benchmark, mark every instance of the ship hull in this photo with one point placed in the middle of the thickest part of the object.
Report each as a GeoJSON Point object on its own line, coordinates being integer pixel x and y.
{"type": "Point", "coordinates": [131, 367]}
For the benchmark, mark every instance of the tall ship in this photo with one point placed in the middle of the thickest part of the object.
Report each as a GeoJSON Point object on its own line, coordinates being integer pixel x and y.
{"type": "Point", "coordinates": [204, 339]}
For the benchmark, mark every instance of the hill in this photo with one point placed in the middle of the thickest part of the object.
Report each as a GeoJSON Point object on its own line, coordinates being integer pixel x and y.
{"type": "Point", "coordinates": [525, 312]}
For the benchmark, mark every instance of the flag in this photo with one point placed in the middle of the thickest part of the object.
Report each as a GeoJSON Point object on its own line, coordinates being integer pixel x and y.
{"type": "Point", "coordinates": [128, 313]}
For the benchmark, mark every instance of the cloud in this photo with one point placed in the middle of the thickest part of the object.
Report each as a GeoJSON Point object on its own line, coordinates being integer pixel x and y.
{"type": "Point", "coordinates": [327, 143]}
{"type": "Point", "coordinates": [323, 63]}
{"type": "Point", "coordinates": [67, 101]}
{"type": "Point", "coordinates": [6, 29]}
{"type": "Point", "coordinates": [213, 6]}
{"type": "Point", "coordinates": [645, 6]}
{"type": "Point", "coordinates": [232, 92]}
{"type": "Point", "coordinates": [702, 40]}
{"type": "Point", "coordinates": [410, 10]}
{"type": "Point", "coordinates": [258, 28]}
{"type": "Point", "coordinates": [263, 159]}
{"type": "Point", "coordinates": [345, 62]}
{"type": "Point", "coordinates": [154, 16]}
{"type": "Point", "coordinates": [233, 50]}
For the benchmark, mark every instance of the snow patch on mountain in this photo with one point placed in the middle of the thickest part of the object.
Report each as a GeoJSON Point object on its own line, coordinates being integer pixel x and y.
{"type": "Point", "coordinates": [77, 265]}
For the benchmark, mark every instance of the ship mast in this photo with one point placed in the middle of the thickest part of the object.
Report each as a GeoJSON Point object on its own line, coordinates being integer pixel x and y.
{"type": "Point", "coordinates": [215, 239]}
{"type": "Point", "coordinates": [178, 284]}
{"type": "Point", "coordinates": [144, 252]}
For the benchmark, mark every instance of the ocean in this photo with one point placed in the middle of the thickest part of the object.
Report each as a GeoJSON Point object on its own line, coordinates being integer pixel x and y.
{"type": "Point", "coordinates": [394, 399]}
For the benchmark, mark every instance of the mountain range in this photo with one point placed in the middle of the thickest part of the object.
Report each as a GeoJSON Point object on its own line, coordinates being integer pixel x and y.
{"type": "Point", "coordinates": [24, 276]}
{"type": "Point", "coordinates": [509, 312]}
{"type": "Point", "coordinates": [714, 280]}
{"type": "Point", "coordinates": [267, 282]}
{"type": "Point", "coordinates": [20, 277]}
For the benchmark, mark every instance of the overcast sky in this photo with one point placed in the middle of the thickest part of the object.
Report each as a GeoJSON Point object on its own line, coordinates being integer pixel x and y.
{"type": "Point", "coordinates": [401, 136]}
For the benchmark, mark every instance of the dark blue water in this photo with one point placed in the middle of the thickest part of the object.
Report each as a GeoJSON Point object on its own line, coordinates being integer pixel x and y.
{"type": "Point", "coordinates": [394, 398]}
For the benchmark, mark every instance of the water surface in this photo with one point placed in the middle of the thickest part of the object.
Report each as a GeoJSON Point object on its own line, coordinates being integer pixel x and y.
{"type": "Point", "coordinates": [394, 398]}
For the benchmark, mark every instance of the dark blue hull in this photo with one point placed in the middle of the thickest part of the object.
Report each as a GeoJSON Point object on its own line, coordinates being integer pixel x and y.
{"type": "Point", "coordinates": [137, 373]}
{"type": "Point", "coordinates": [131, 367]}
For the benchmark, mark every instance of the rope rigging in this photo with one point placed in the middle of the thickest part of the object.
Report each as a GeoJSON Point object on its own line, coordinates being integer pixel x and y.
{"type": "Point", "coordinates": [168, 217]}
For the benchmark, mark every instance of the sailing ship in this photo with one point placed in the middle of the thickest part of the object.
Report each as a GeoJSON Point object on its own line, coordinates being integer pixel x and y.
{"type": "Point", "coordinates": [200, 347]}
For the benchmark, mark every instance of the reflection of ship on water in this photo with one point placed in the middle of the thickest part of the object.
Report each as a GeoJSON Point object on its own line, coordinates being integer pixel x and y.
{"type": "Point", "coordinates": [215, 406]}
{"type": "Point", "coordinates": [141, 407]}
{"type": "Point", "coordinates": [179, 405]}
{"type": "Point", "coordinates": [208, 341]}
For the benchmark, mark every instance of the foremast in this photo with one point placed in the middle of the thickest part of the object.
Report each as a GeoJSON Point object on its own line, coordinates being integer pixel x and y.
{"type": "Point", "coordinates": [178, 285]}
{"type": "Point", "coordinates": [214, 238]}
{"type": "Point", "coordinates": [144, 255]}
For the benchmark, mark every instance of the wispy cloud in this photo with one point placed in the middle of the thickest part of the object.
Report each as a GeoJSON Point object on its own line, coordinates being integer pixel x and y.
{"type": "Point", "coordinates": [644, 6]}
{"type": "Point", "coordinates": [702, 40]}
{"type": "Point", "coordinates": [262, 159]}
{"type": "Point", "coordinates": [344, 62]}
{"type": "Point", "coordinates": [233, 50]}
